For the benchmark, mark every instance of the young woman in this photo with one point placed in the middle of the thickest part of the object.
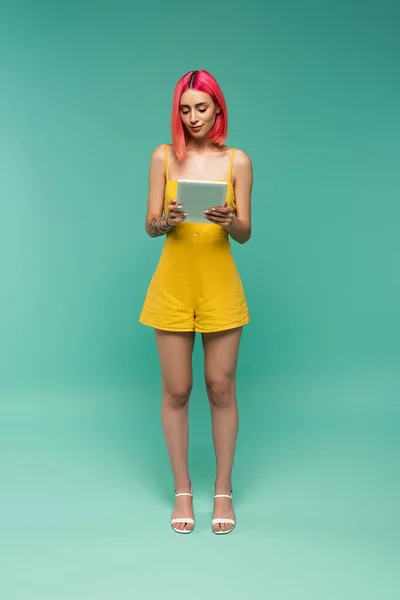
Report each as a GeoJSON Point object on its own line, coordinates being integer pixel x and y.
{"type": "Point", "coordinates": [196, 287]}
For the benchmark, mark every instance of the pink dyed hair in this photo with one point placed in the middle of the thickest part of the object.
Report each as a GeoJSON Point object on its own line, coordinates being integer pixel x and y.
{"type": "Point", "coordinates": [204, 82]}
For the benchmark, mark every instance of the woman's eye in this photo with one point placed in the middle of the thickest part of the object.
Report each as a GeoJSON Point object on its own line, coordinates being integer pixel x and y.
{"type": "Point", "coordinates": [185, 112]}
{"type": "Point", "coordinates": [202, 109]}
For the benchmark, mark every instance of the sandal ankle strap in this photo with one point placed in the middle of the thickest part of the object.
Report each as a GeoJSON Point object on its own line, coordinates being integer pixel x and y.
{"type": "Point", "coordinates": [184, 493]}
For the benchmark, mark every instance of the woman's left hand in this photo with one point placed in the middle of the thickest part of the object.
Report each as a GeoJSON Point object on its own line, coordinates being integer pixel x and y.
{"type": "Point", "coordinates": [220, 215]}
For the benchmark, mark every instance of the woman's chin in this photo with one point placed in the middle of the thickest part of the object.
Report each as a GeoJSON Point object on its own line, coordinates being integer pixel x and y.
{"type": "Point", "coordinates": [198, 135]}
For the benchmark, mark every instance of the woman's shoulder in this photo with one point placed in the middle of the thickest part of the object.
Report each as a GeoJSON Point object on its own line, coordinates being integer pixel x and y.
{"type": "Point", "coordinates": [158, 152]}
{"type": "Point", "coordinates": [241, 158]}
{"type": "Point", "coordinates": [158, 156]}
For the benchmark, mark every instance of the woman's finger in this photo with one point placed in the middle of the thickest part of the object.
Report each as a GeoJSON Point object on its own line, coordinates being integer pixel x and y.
{"type": "Point", "coordinates": [217, 217]}
{"type": "Point", "coordinates": [176, 216]}
{"type": "Point", "coordinates": [173, 218]}
{"type": "Point", "coordinates": [173, 206]}
{"type": "Point", "coordinates": [176, 209]}
{"type": "Point", "coordinates": [223, 223]}
{"type": "Point", "coordinates": [220, 210]}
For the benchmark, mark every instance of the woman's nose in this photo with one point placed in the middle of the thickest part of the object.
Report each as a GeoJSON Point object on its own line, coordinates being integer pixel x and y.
{"type": "Point", "coordinates": [193, 117]}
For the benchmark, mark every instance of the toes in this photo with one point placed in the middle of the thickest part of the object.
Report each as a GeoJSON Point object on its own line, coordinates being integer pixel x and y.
{"type": "Point", "coordinates": [183, 526]}
{"type": "Point", "coordinates": [222, 527]}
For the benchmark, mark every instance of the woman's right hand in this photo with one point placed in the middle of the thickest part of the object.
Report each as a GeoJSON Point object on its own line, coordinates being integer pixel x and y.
{"type": "Point", "coordinates": [175, 214]}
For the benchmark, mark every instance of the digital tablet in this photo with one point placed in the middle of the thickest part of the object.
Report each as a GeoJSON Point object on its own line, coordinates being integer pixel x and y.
{"type": "Point", "coordinates": [197, 195]}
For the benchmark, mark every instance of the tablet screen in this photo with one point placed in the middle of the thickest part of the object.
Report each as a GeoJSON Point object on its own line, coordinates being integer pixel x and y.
{"type": "Point", "coordinates": [196, 196]}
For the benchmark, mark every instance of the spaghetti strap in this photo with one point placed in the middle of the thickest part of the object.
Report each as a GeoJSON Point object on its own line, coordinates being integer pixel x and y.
{"type": "Point", "coordinates": [231, 164]}
{"type": "Point", "coordinates": [166, 161]}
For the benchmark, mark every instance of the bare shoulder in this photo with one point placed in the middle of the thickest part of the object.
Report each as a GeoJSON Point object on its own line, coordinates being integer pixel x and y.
{"type": "Point", "coordinates": [157, 162]}
{"type": "Point", "coordinates": [241, 159]}
{"type": "Point", "coordinates": [158, 154]}
{"type": "Point", "coordinates": [242, 168]}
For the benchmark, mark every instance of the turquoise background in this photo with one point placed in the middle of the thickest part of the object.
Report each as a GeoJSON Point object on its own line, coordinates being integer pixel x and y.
{"type": "Point", "coordinates": [313, 93]}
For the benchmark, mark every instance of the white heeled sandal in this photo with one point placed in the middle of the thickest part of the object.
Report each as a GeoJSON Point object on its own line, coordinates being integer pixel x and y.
{"type": "Point", "coordinates": [219, 521]}
{"type": "Point", "coordinates": [183, 519]}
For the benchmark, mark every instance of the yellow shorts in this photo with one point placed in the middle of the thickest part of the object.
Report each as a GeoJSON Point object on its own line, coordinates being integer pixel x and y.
{"type": "Point", "coordinates": [196, 286]}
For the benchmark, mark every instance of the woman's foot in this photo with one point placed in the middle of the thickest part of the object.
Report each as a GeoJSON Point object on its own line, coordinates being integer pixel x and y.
{"type": "Point", "coordinates": [182, 519]}
{"type": "Point", "coordinates": [223, 510]}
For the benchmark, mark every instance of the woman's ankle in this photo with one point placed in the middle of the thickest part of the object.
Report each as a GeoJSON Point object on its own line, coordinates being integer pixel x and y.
{"type": "Point", "coordinates": [223, 486]}
{"type": "Point", "coordinates": [183, 486]}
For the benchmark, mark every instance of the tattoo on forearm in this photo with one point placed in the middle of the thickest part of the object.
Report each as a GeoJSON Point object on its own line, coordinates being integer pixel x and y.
{"type": "Point", "coordinates": [158, 226]}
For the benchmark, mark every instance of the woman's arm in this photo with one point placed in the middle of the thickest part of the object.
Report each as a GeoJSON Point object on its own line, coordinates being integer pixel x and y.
{"type": "Point", "coordinates": [156, 222]}
{"type": "Point", "coordinates": [240, 227]}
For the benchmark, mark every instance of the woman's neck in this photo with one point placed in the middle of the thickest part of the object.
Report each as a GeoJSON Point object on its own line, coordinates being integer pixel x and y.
{"type": "Point", "coordinates": [200, 146]}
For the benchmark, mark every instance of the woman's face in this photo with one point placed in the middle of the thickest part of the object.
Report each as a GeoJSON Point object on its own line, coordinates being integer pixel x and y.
{"type": "Point", "coordinates": [198, 112]}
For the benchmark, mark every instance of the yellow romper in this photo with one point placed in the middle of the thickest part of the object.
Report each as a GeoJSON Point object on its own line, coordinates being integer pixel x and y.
{"type": "Point", "coordinates": [196, 286]}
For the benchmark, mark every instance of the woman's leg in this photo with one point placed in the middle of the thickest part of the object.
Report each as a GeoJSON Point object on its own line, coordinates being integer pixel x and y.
{"type": "Point", "coordinates": [175, 351]}
{"type": "Point", "coordinates": [220, 361]}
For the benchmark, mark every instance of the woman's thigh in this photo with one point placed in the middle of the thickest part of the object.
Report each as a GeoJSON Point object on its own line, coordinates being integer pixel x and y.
{"type": "Point", "coordinates": [175, 350]}
{"type": "Point", "coordinates": [221, 350]}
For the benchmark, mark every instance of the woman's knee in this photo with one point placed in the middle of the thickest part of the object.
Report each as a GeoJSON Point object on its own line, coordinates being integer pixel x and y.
{"type": "Point", "coordinates": [221, 391]}
{"type": "Point", "coordinates": [177, 395]}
